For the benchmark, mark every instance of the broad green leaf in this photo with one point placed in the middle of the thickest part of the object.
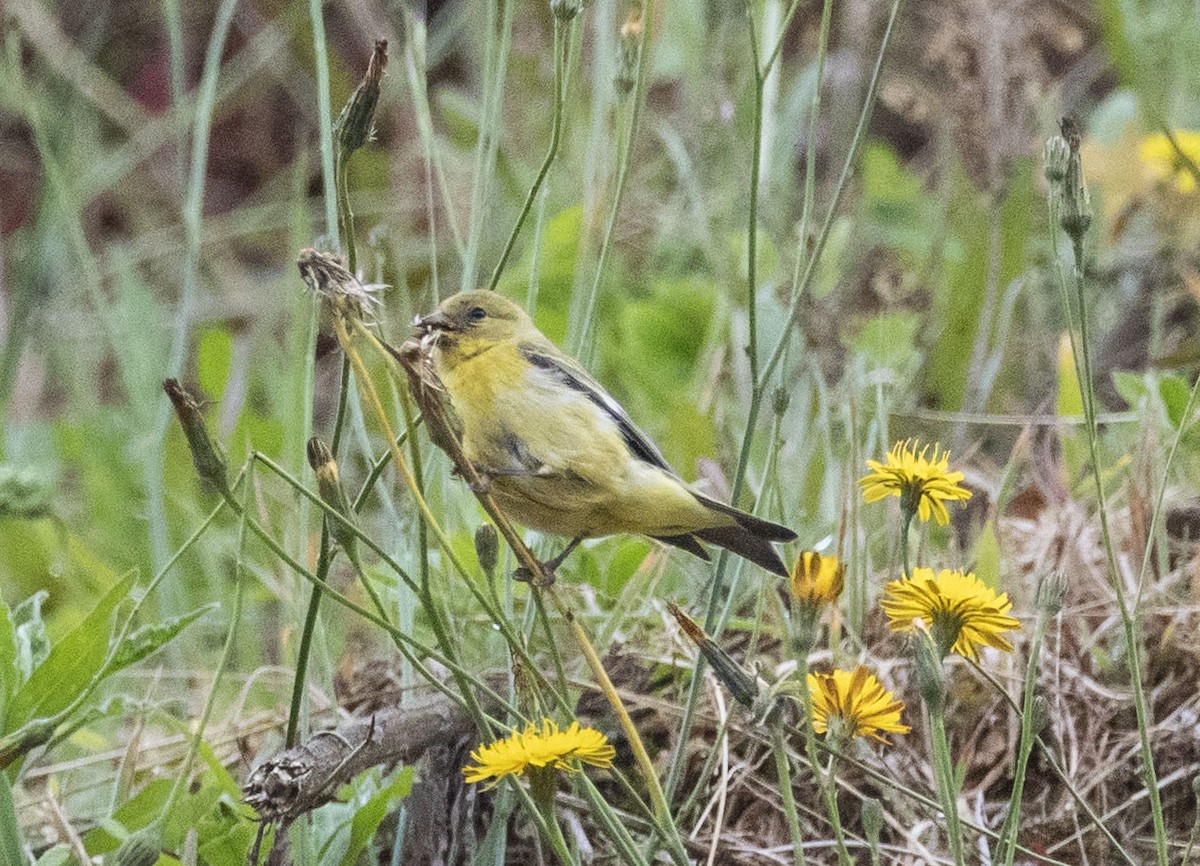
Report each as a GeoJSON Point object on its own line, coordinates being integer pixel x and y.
{"type": "Point", "coordinates": [214, 354]}
{"type": "Point", "coordinates": [72, 663]}
{"type": "Point", "coordinates": [229, 847]}
{"type": "Point", "coordinates": [151, 638]}
{"type": "Point", "coordinates": [960, 297]}
{"type": "Point", "coordinates": [1174, 391]}
{"type": "Point", "coordinates": [129, 817]}
{"type": "Point", "coordinates": [370, 815]}
{"type": "Point", "coordinates": [10, 832]}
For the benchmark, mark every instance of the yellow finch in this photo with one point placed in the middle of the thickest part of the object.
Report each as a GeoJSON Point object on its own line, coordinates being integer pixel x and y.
{"type": "Point", "coordinates": [559, 452]}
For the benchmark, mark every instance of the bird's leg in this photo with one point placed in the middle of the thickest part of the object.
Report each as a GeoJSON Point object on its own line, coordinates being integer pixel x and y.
{"type": "Point", "coordinates": [549, 566]}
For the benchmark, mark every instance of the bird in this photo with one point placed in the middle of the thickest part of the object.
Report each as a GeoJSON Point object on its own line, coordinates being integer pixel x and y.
{"type": "Point", "coordinates": [558, 452]}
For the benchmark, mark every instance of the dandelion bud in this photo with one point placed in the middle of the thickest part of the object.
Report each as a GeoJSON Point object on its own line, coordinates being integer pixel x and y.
{"type": "Point", "coordinates": [356, 124]}
{"type": "Point", "coordinates": [329, 485]}
{"type": "Point", "coordinates": [206, 454]}
{"type": "Point", "coordinates": [1050, 592]}
{"type": "Point", "coordinates": [817, 579]}
{"type": "Point", "coordinates": [630, 46]}
{"type": "Point", "coordinates": [1076, 203]}
{"type": "Point", "coordinates": [928, 663]}
{"type": "Point", "coordinates": [1056, 156]}
{"type": "Point", "coordinates": [741, 685]}
{"type": "Point", "coordinates": [487, 547]}
{"type": "Point", "coordinates": [872, 822]}
{"type": "Point", "coordinates": [782, 399]}
{"type": "Point", "coordinates": [565, 10]}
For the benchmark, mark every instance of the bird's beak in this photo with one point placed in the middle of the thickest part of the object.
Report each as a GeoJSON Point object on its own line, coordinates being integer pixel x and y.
{"type": "Point", "coordinates": [435, 321]}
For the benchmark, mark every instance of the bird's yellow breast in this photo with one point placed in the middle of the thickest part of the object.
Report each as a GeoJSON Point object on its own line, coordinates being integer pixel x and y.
{"type": "Point", "coordinates": [557, 459]}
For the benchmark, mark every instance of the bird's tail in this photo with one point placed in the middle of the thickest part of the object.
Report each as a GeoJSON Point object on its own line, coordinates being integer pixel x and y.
{"type": "Point", "coordinates": [747, 536]}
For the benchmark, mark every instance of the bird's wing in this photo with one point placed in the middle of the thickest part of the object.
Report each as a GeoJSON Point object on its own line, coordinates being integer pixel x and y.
{"type": "Point", "coordinates": [576, 378]}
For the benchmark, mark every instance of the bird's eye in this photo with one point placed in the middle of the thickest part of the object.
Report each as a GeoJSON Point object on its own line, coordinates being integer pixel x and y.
{"type": "Point", "coordinates": [477, 313]}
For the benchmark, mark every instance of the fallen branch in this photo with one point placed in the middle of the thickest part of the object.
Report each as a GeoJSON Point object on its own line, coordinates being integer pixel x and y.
{"type": "Point", "coordinates": [307, 776]}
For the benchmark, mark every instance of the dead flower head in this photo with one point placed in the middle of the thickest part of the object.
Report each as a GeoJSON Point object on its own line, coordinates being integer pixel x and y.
{"type": "Point", "coordinates": [346, 295]}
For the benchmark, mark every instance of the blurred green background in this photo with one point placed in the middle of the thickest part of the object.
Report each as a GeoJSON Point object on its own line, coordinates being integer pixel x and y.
{"type": "Point", "coordinates": [161, 166]}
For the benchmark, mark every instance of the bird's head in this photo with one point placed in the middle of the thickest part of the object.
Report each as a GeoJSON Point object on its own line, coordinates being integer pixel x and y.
{"type": "Point", "coordinates": [468, 323]}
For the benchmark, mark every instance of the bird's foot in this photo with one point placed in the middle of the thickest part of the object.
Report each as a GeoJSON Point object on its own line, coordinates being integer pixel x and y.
{"type": "Point", "coordinates": [479, 480]}
{"type": "Point", "coordinates": [548, 567]}
{"type": "Point", "coordinates": [546, 578]}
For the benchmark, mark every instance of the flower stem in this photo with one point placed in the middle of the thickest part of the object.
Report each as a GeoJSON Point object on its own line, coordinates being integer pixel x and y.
{"type": "Point", "coordinates": [541, 788]}
{"type": "Point", "coordinates": [784, 771]}
{"type": "Point", "coordinates": [799, 286]}
{"type": "Point", "coordinates": [1083, 365]}
{"type": "Point", "coordinates": [235, 616]}
{"type": "Point", "coordinates": [835, 815]}
{"type": "Point", "coordinates": [947, 789]}
{"type": "Point", "coordinates": [562, 51]}
{"type": "Point", "coordinates": [583, 342]}
{"type": "Point", "coordinates": [324, 561]}
{"type": "Point", "coordinates": [1008, 835]}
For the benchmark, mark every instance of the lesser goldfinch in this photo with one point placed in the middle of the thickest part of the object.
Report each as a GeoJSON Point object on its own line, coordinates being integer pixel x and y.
{"type": "Point", "coordinates": [560, 454]}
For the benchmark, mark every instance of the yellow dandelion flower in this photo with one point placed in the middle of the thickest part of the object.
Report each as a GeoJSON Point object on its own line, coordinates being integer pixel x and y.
{"type": "Point", "coordinates": [1161, 159]}
{"type": "Point", "coordinates": [817, 579]}
{"type": "Point", "coordinates": [960, 611]}
{"type": "Point", "coordinates": [924, 484]}
{"type": "Point", "coordinates": [540, 746]}
{"type": "Point", "coordinates": [854, 704]}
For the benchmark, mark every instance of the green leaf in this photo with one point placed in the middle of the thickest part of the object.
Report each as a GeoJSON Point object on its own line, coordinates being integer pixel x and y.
{"type": "Point", "coordinates": [1069, 404]}
{"type": "Point", "coordinates": [987, 556]}
{"type": "Point", "coordinates": [1174, 391]}
{"type": "Point", "coordinates": [151, 638]}
{"type": "Point", "coordinates": [214, 354]}
{"type": "Point", "coordinates": [10, 833]}
{"type": "Point", "coordinates": [1131, 387]}
{"type": "Point", "coordinates": [1070, 399]}
{"type": "Point", "coordinates": [555, 272]}
{"type": "Point", "coordinates": [371, 814]}
{"type": "Point", "coordinates": [33, 645]}
{"type": "Point", "coordinates": [10, 671]}
{"type": "Point", "coordinates": [888, 342]}
{"type": "Point", "coordinates": [59, 855]}
{"type": "Point", "coordinates": [129, 817]}
{"type": "Point", "coordinates": [72, 663]}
